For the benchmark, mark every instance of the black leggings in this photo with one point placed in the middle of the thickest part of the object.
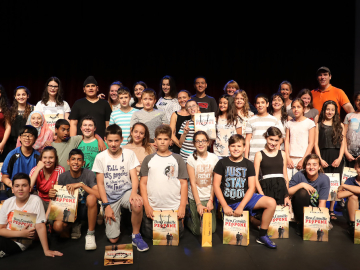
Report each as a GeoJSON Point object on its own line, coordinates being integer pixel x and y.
{"type": "Point", "coordinates": [300, 199]}
{"type": "Point", "coordinates": [8, 247]}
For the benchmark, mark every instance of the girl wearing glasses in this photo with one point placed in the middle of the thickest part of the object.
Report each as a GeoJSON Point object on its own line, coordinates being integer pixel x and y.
{"type": "Point", "coordinates": [52, 104]}
{"type": "Point", "coordinates": [200, 166]}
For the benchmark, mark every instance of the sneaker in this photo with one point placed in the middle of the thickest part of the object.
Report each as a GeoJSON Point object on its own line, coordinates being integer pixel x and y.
{"type": "Point", "coordinates": [76, 231]}
{"type": "Point", "coordinates": [90, 243]}
{"type": "Point", "coordinates": [265, 240]}
{"type": "Point", "coordinates": [138, 242]}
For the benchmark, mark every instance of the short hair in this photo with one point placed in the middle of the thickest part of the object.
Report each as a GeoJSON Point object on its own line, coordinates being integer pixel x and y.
{"type": "Point", "coordinates": [150, 92]}
{"type": "Point", "coordinates": [191, 100]}
{"type": "Point", "coordinates": [272, 131]}
{"type": "Point", "coordinates": [163, 129]}
{"type": "Point", "coordinates": [200, 77]}
{"type": "Point", "coordinates": [263, 96]}
{"type": "Point", "coordinates": [61, 122]}
{"type": "Point", "coordinates": [231, 83]}
{"type": "Point", "coordinates": [307, 91]}
{"type": "Point", "coordinates": [113, 130]}
{"type": "Point", "coordinates": [123, 91]}
{"type": "Point", "coordinates": [312, 156]}
{"type": "Point", "coordinates": [76, 152]}
{"type": "Point", "coordinates": [88, 117]}
{"type": "Point", "coordinates": [29, 129]}
{"type": "Point", "coordinates": [20, 176]}
{"type": "Point", "coordinates": [48, 149]}
{"type": "Point", "coordinates": [236, 138]}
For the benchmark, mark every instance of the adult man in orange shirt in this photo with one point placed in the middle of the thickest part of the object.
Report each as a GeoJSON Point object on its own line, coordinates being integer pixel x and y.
{"type": "Point", "coordinates": [327, 92]}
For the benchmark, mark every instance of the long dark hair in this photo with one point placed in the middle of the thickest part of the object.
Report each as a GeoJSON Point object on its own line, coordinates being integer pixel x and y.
{"type": "Point", "coordinates": [337, 129]}
{"type": "Point", "coordinates": [304, 92]}
{"type": "Point", "coordinates": [136, 100]}
{"type": "Point", "coordinates": [200, 132]}
{"type": "Point", "coordinates": [173, 91]}
{"type": "Point", "coordinates": [284, 115]}
{"type": "Point", "coordinates": [59, 95]}
{"type": "Point", "coordinates": [4, 103]}
{"type": "Point", "coordinates": [14, 107]}
{"type": "Point", "coordinates": [232, 116]}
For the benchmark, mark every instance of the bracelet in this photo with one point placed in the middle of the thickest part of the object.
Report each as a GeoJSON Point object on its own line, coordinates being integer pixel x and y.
{"type": "Point", "coordinates": [105, 204]}
{"type": "Point", "coordinates": [211, 200]}
{"type": "Point", "coordinates": [198, 204]}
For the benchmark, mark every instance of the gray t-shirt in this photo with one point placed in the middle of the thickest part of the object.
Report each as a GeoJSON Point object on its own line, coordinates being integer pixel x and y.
{"type": "Point", "coordinates": [151, 119]}
{"type": "Point", "coordinates": [310, 114]}
{"type": "Point", "coordinates": [87, 177]}
{"type": "Point", "coordinates": [321, 184]}
{"type": "Point", "coordinates": [63, 149]}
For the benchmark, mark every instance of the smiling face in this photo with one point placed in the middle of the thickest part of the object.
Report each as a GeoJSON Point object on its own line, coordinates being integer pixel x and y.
{"type": "Point", "coordinates": [239, 101]}
{"type": "Point", "coordinates": [148, 102]}
{"type": "Point", "coordinates": [312, 168]}
{"type": "Point", "coordinates": [21, 189]}
{"type": "Point", "coordinates": [272, 142]}
{"type": "Point", "coordinates": [237, 149]}
{"type": "Point", "coordinates": [183, 97]}
{"type": "Point", "coordinates": [36, 120]}
{"type": "Point", "coordinates": [27, 139]}
{"type": "Point", "coordinates": [297, 109]}
{"type": "Point", "coordinates": [138, 89]}
{"type": "Point", "coordinates": [48, 158]}
{"type": "Point", "coordinates": [306, 98]}
{"type": "Point", "coordinates": [200, 85]}
{"type": "Point", "coordinates": [261, 105]}
{"type": "Point", "coordinates": [138, 133]}
{"type": "Point", "coordinates": [277, 103]}
{"type": "Point", "coordinates": [223, 105]}
{"type": "Point", "coordinates": [113, 141]}
{"type": "Point", "coordinates": [166, 86]}
{"type": "Point", "coordinates": [21, 96]}
{"type": "Point", "coordinates": [324, 79]}
{"type": "Point", "coordinates": [192, 107]}
{"type": "Point", "coordinates": [357, 102]}
{"type": "Point", "coordinates": [76, 162]}
{"type": "Point", "coordinates": [53, 88]}
{"type": "Point", "coordinates": [330, 111]}
{"type": "Point", "coordinates": [230, 90]}
{"type": "Point", "coordinates": [285, 91]}
{"type": "Point", "coordinates": [201, 143]}
{"type": "Point", "coordinates": [113, 93]}
{"type": "Point", "coordinates": [88, 128]}
{"type": "Point", "coordinates": [91, 90]}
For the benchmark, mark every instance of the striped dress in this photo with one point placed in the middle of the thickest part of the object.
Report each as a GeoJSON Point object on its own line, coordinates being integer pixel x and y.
{"type": "Point", "coordinates": [122, 119]}
{"type": "Point", "coordinates": [187, 147]}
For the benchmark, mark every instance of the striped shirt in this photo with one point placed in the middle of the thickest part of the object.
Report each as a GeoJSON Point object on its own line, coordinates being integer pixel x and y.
{"type": "Point", "coordinates": [257, 126]}
{"type": "Point", "coordinates": [187, 147]}
{"type": "Point", "coordinates": [122, 119]}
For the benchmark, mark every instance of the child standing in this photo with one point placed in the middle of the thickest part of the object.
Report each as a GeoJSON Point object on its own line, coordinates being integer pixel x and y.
{"type": "Point", "coordinates": [118, 185]}
{"type": "Point", "coordinates": [234, 186]}
{"type": "Point", "coordinates": [149, 116]}
{"type": "Point", "coordinates": [243, 109]}
{"type": "Point", "coordinates": [272, 164]}
{"type": "Point", "coordinates": [200, 167]}
{"type": "Point", "coordinates": [227, 124]}
{"type": "Point", "coordinates": [122, 116]}
{"type": "Point", "coordinates": [163, 183]}
{"type": "Point", "coordinates": [309, 111]}
{"type": "Point", "coordinates": [351, 127]}
{"type": "Point", "coordinates": [300, 138]}
{"type": "Point", "coordinates": [329, 142]}
{"type": "Point", "coordinates": [168, 97]}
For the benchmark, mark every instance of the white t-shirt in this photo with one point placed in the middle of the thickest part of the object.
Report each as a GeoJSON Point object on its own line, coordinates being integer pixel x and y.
{"type": "Point", "coordinates": [163, 184]}
{"type": "Point", "coordinates": [204, 168]}
{"type": "Point", "coordinates": [223, 133]}
{"type": "Point", "coordinates": [116, 172]}
{"type": "Point", "coordinates": [52, 112]}
{"type": "Point", "coordinates": [34, 206]}
{"type": "Point", "coordinates": [299, 136]}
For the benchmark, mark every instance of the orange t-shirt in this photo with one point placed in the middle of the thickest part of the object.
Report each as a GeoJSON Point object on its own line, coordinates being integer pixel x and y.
{"type": "Point", "coordinates": [331, 93]}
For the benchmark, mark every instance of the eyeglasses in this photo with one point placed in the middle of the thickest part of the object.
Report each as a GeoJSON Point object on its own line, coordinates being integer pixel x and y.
{"type": "Point", "coordinates": [201, 142]}
{"type": "Point", "coordinates": [53, 86]}
{"type": "Point", "coordinates": [192, 107]}
{"type": "Point", "coordinates": [29, 136]}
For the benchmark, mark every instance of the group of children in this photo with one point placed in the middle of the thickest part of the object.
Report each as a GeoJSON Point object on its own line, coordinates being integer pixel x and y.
{"type": "Point", "coordinates": [152, 159]}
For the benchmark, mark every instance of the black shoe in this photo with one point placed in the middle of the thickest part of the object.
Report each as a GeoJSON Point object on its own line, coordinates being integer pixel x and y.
{"type": "Point", "coordinates": [351, 231]}
{"type": "Point", "coordinates": [299, 229]}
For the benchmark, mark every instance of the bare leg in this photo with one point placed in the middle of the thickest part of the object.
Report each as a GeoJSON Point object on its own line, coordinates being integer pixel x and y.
{"type": "Point", "coordinates": [91, 203]}
{"type": "Point", "coordinates": [269, 206]}
{"type": "Point", "coordinates": [62, 228]}
{"type": "Point", "coordinates": [353, 205]}
{"type": "Point", "coordinates": [136, 218]}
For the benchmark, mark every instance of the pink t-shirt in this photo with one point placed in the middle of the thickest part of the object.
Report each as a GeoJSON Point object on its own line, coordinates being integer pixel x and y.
{"type": "Point", "coordinates": [299, 136]}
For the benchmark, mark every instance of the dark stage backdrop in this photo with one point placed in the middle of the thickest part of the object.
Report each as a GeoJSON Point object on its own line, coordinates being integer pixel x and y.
{"type": "Point", "coordinates": [258, 46]}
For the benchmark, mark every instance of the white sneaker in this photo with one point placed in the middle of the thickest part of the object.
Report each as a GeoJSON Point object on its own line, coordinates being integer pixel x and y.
{"type": "Point", "coordinates": [90, 243]}
{"type": "Point", "coordinates": [76, 231]}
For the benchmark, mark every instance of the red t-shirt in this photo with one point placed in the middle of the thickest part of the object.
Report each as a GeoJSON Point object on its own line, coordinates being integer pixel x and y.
{"type": "Point", "coordinates": [43, 186]}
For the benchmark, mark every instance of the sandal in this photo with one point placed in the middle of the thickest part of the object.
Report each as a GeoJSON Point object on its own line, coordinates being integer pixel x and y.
{"type": "Point", "coordinates": [332, 215]}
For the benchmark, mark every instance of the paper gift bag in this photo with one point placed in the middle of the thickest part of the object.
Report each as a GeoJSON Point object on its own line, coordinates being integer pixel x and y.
{"type": "Point", "coordinates": [279, 225]}
{"type": "Point", "coordinates": [334, 185]}
{"type": "Point", "coordinates": [206, 229]}
{"type": "Point", "coordinates": [118, 254]}
{"type": "Point", "coordinates": [347, 173]}
{"type": "Point", "coordinates": [357, 227]}
{"type": "Point", "coordinates": [165, 228]}
{"type": "Point", "coordinates": [64, 207]}
{"type": "Point", "coordinates": [316, 224]}
{"type": "Point", "coordinates": [236, 230]}
{"type": "Point", "coordinates": [206, 122]}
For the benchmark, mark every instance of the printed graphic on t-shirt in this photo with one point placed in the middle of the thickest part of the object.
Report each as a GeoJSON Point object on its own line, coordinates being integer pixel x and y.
{"type": "Point", "coordinates": [52, 114]}
{"type": "Point", "coordinates": [203, 105]}
{"type": "Point", "coordinates": [89, 156]}
{"type": "Point", "coordinates": [113, 179]}
{"type": "Point", "coordinates": [203, 176]}
{"type": "Point", "coordinates": [235, 178]}
{"type": "Point", "coordinates": [170, 171]}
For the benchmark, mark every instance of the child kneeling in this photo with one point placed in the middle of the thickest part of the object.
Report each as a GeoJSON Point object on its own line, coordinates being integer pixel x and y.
{"type": "Point", "coordinates": [234, 186]}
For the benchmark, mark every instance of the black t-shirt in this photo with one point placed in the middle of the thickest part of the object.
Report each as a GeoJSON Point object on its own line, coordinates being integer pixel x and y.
{"type": "Point", "coordinates": [234, 181]}
{"type": "Point", "coordinates": [100, 110]}
{"type": "Point", "coordinates": [206, 104]}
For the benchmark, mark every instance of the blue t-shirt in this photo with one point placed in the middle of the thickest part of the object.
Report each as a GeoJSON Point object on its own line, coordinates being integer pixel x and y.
{"type": "Point", "coordinates": [321, 184]}
{"type": "Point", "coordinates": [352, 182]}
{"type": "Point", "coordinates": [15, 162]}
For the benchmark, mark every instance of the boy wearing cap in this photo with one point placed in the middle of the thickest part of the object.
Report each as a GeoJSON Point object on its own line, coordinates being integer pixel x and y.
{"type": "Point", "coordinates": [90, 105]}
{"type": "Point", "coordinates": [327, 92]}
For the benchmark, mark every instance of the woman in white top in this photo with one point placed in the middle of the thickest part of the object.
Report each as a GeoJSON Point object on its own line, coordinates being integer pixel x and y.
{"type": "Point", "coordinates": [243, 108]}
{"type": "Point", "coordinates": [285, 89]}
{"type": "Point", "coordinates": [168, 101]}
{"type": "Point", "coordinates": [52, 104]}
